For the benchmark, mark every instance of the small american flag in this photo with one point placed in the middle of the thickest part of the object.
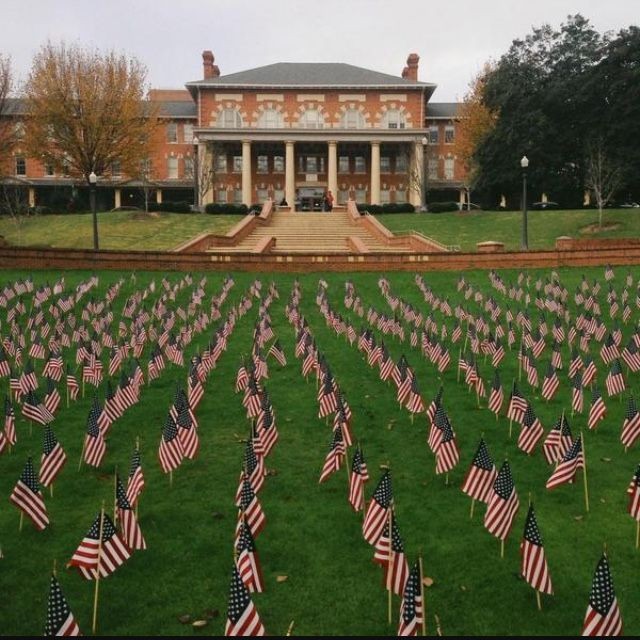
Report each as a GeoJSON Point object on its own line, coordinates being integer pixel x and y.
{"type": "Point", "coordinates": [615, 380]}
{"type": "Point", "coordinates": [480, 478]}
{"type": "Point", "coordinates": [94, 444]}
{"type": "Point", "coordinates": [633, 491]}
{"type": "Point", "coordinates": [631, 424]}
{"type": "Point", "coordinates": [131, 532]}
{"type": "Point", "coordinates": [389, 552]}
{"type": "Point", "coordinates": [359, 476]}
{"type": "Point", "coordinates": [447, 455]}
{"type": "Point", "coordinates": [26, 495]}
{"type": "Point", "coordinates": [335, 455]}
{"type": "Point", "coordinates": [503, 504]}
{"type": "Point", "coordinates": [377, 511]}
{"type": "Point", "coordinates": [411, 608]}
{"type": "Point", "coordinates": [60, 620]}
{"type": "Point", "coordinates": [170, 451]}
{"type": "Point", "coordinates": [531, 431]}
{"type": "Point", "coordinates": [248, 562]}
{"type": "Point", "coordinates": [603, 616]}
{"type": "Point", "coordinates": [53, 458]}
{"type": "Point", "coordinates": [534, 563]}
{"type": "Point", "coordinates": [250, 511]}
{"type": "Point", "coordinates": [571, 462]}
{"type": "Point", "coordinates": [135, 482]}
{"type": "Point", "coordinates": [598, 410]}
{"type": "Point", "coordinates": [242, 616]}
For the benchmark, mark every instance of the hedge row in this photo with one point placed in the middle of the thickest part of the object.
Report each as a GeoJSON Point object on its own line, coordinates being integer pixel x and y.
{"type": "Point", "coordinates": [390, 207]}
{"type": "Point", "coordinates": [441, 207]}
{"type": "Point", "coordinates": [227, 207]}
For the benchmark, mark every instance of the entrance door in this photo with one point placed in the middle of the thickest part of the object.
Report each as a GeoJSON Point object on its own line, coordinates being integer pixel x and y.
{"type": "Point", "coordinates": [309, 199]}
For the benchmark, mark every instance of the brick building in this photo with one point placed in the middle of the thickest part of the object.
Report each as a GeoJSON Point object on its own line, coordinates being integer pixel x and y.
{"type": "Point", "coordinates": [282, 131]}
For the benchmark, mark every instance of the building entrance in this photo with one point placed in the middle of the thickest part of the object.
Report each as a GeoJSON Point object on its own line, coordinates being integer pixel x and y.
{"type": "Point", "coordinates": [309, 199]}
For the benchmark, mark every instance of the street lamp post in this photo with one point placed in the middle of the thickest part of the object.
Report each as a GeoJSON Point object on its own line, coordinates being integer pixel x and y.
{"type": "Point", "coordinates": [196, 186]}
{"type": "Point", "coordinates": [524, 163]}
{"type": "Point", "coordinates": [424, 173]}
{"type": "Point", "coordinates": [93, 178]}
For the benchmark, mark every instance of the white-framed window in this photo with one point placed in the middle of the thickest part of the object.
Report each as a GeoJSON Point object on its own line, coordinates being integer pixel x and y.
{"type": "Point", "coordinates": [449, 166]}
{"type": "Point", "coordinates": [360, 165]}
{"type": "Point", "coordinates": [278, 195]}
{"type": "Point", "coordinates": [343, 164]}
{"type": "Point", "coordinates": [221, 196]}
{"type": "Point", "coordinates": [449, 133]}
{"type": "Point", "coordinates": [21, 166]}
{"type": "Point", "coordinates": [311, 163]}
{"type": "Point", "coordinates": [402, 163]}
{"type": "Point", "coordinates": [188, 167]}
{"type": "Point", "coordinates": [262, 164]}
{"type": "Point", "coordinates": [433, 134]}
{"type": "Point", "coordinates": [237, 196]}
{"type": "Point", "coordinates": [172, 168]}
{"type": "Point", "coordinates": [394, 119]}
{"type": "Point", "coordinates": [263, 195]}
{"type": "Point", "coordinates": [401, 195]}
{"type": "Point", "coordinates": [311, 119]}
{"type": "Point", "coordinates": [237, 164]}
{"type": "Point", "coordinates": [49, 169]}
{"type": "Point", "coordinates": [229, 119]}
{"type": "Point", "coordinates": [19, 129]}
{"type": "Point", "coordinates": [353, 119]}
{"type": "Point", "coordinates": [385, 196]}
{"type": "Point", "coordinates": [278, 165]}
{"type": "Point", "coordinates": [188, 132]}
{"type": "Point", "coordinates": [116, 170]}
{"type": "Point", "coordinates": [385, 164]}
{"type": "Point", "coordinates": [432, 165]}
{"type": "Point", "coordinates": [343, 196]}
{"type": "Point", "coordinates": [221, 163]}
{"type": "Point", "coordinates": [361, 196]}
{"type": "Point", "coordinates": [172, 132]}
{"type": "Point", "coordinates": [270, 119]}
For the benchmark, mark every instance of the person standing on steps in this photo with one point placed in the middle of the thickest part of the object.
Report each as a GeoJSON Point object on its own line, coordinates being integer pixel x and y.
{"type": "Point", "coordinates": [328, 201]}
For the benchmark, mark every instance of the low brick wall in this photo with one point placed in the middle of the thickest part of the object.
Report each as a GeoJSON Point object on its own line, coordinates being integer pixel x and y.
{"type": "Point", "coordinates": [565, 243]}
{"type": "Point", "coordinates": [24, 258]}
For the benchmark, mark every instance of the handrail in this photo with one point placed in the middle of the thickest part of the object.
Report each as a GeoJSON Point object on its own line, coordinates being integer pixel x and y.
{"type": "Point", "coordinates": [447, 247]}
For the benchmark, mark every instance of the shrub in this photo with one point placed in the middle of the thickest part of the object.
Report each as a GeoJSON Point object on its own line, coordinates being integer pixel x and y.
{"type": "Point", "coordinates": [171, 207]}
{"type": "Point", "coordinates": [442, 207]}
{"type": "Point", "coordinates": [398, 207]}
{"type": "Point", "coordinates": [221, 208]}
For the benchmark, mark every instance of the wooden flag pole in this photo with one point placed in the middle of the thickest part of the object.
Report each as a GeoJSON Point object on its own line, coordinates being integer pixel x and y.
{"type": "Point", "coordinates": [95, 595]}
{"type": "Point", "coordinates": [584, 474]}
{"type": "Point", "coordinates": [171, 478]}
{"type": "Point", "coordinates": [290, 628]}
{"type": "Point", "coordinates": [538, 600]}
{"type": "Point", "coordinates": [51, 489]}
{"type": "Point", "coordinates": [424, 602]}
{"type": "Point", "coordinates": [473, 503]}
{"type": "Point", "coordinates": [84, 445]}
{"type": "Point", "coordinates": [391, 553]}
{"type": "Point", "coordinates": [21, 520]}
{"type": "Point", "coordinates": [502, 548]}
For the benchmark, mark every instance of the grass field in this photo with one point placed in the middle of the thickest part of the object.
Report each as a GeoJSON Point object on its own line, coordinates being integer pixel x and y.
{"type": "Point", "coordinates": [117, 230]}
{"type": "Point", "coordinates": [468, 228]}
{"type": "Point", "coordinates": [312, 535]}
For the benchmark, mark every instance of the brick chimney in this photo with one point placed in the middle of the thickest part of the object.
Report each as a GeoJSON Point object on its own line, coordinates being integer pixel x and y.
{"type": "Point", "coordinates": [210, 70]}
{"type": "Point", "coordinates": [410, 72]}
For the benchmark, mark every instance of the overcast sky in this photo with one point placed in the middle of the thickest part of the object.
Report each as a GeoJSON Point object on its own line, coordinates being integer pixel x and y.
{"type": "Point", "coordinates": [453, 37]}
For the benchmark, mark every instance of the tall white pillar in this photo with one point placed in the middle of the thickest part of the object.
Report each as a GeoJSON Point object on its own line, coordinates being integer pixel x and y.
{"type": "Point", "coordinates": [290, 175]}
{"type": "Point", "coordinates": [117, 196]}
{"type": "Point", "coordinates": [375, 173]}
{"type": "Point", "coordinates": [159, 196]}
{"type": "Point", "coordinates": [416, 174]}
{"type": "Point", "coordinates": [247, 191]}
{"type": "Point", "coordinates": [332, 176]}
{"type": "Point", "coordinates": [32, 197]}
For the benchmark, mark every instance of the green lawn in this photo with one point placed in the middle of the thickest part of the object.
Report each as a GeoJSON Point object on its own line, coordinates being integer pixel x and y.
{"type": "Point", "coordinates": [312, 536]}
{"type": "Point", "coordinates": [117, 230]}
{"type": "Point", "coordinates": [466, 229]}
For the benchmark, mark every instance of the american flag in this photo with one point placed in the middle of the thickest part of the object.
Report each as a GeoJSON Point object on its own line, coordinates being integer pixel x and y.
{"type": "Point", "coordinates": [414, 402]}
{"type": "Point", "coordinates": [550, 383]}
{"type": "Point", "coordinates": [631, 424]}
{"type": "Point", "coordinates": [335, 455]}
{"type": "Point", "coordinates": [496, 396]}
{"type": "Point", "coordinates": [92, 558]}
{"type": "Point", "coordinates": [503, 504]}
{"type": "Point", "coordinates": [534, 563]}
{"type": "Point", "coordinates": [615, 381]}
{"type": "Point", "coordinates": [633, 492]}
{"type": "Point", "coordinates": [531, 431]}
{"type": "Point", "coordinates": [131, 533]}
{"type": "Point", "coordinates": [517, 405]}
{"type": "Point", "coordinates": [33, 409]}
{"type": "Point", "coordinates": [389, 552]}
{"type": "Point", "coordinates": [277, 352]}
{"type": "Point", "coordinates": [53, 458]}
{"type": "Point", "coordinates": [609, 351]}
{"type": "Point", "coordinates": [60, 620]}
{"type": "Point", "coordinates": [480, 478]}
{"type": "Point", "coordinates": [135, 482]}
{"type": "Point", "coordinates": [566, 471]}
{"type": "Point", "coordinates": [94, 444]}
{"type": "Point", "coordinates": [242, 616]}
{"type": "Point", "coordinates": [558, 441]}
{"type": "Point", "coordinates": [247, 561]}
{"type": "Point", "coordinates": [170, 451]}
{"type": "Point", "coordinates": [254, 466]}
{"type": "Point", "coordinates": [359, 476]}
{"type": "Point", "coordinates": [187, 433]}
{"type": "Point", "coordinates": [589, 372]}
{"type": "Point", "coordinates": [411, 608]}
{"type": "Point", "coordinates": [603, 616]}
{"type": "Point", "coordinates": [447, 455]}
{"type": "Point", "coordinates": [250, 510]}
{"type": "Point", "coordinates": [577, 395]}
{"type": "Point", "coordinates": [26, 495]}
{"type": "Point", "coordinates": [377, 511]}
{"type": "Point", "coordinates": [9, 422]}
{"type": "Point", "coordinates": [434, 404]}
{"type": "Point", "coordinates": [598, 410]}
{"type": "Point", "coordinates": [72, 384]}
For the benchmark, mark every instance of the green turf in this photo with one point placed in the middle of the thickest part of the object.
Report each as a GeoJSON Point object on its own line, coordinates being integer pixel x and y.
{"type": "Point", "coordinates": [466, 229]}
{"type": "Point", "coordinates": [116, 230]}
{"type": "Point", "coordinates": [311, 535]}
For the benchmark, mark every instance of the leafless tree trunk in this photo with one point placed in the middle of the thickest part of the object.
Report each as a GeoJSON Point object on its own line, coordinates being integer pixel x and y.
{"type": "Point", "coordinates": [603, 175]}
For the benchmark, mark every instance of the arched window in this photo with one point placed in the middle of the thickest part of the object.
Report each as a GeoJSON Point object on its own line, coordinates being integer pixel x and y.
{"type": "Point", "coordinates": [270, 119]}
{"type": "Point", "coordinates": [229, 119]}
{"type": "Point", "coordinates": [311, 119]}
{"type": "Point", "coordinates": [393, 119]}
{"type": "Point", "coordinates": [353, 119]}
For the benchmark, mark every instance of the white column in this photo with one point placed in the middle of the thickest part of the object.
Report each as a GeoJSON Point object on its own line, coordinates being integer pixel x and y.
{"type": "Point", "coordinates": [544, 197]}
{"type": "Point", "coordinates": [416, 174]}
{"type": "Point", "coordinates": [32, 197]}
{"type": "Point", "coordinates": [159, 196]}
{"type": "Point", "coordinates": [290, 175]}
{"type": "Point", "coordinates": [332, 176]}
{"type": "Point", "coordinates": [117, 197]}
{"type": "Point", "coordinates": [461, 199]}
{"type": "Point", "coordinates": [247, 191]}
{"type": "Point", "coordinates": [374, 197]}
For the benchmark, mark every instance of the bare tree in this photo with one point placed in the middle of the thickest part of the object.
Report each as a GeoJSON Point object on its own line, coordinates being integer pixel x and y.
{"type": "Point", "coordinates": [203, 171]}
{"type": "Point", "coordinates": [87, 110]}
{"type": "Point", "coordinates": [7, 124]}
{"type": "Point", "coordinates": [603, 175]}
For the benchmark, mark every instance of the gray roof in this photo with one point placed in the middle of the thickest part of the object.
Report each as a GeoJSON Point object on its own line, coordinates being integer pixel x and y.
{"type": "Point", "coordinates": [442, 109]}
{"type": "Point", "coordinates": [14, 107]}
{"type": "Point", "coordinates": [310, 74]}
{"type": "Point", "coordinates": [178, 109]}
